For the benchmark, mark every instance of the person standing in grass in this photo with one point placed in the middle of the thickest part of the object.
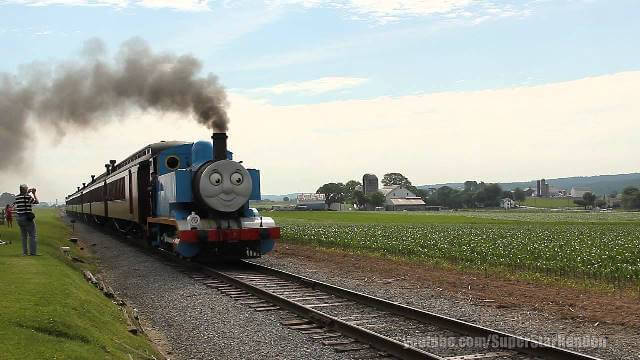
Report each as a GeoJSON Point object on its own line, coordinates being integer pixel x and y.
{"type": "Point", "coordinates": [25, 216]}
{"type": "Point", "coordinates": [8, 214]}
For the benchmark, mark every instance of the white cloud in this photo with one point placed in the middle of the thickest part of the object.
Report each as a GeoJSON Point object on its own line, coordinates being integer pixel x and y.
{"type": "Point", "coordinates": [385, 11]}
{"type": "Point", "coordinates": [580, 127]}
{"type": "Point", "coordinates": [406, 7]}
{"type": "Point", "coordinates": [381, 11]}
{"type": "Point", "coordinates": [185, 5]}
{"type": "Point", "coordinates": [312, 87]}
{"type": "Point", "coordinates": [385, 8]}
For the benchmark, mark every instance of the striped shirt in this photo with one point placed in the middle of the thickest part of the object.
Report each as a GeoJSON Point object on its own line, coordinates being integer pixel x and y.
{"type": "Point", "coordinates": [22, 204]}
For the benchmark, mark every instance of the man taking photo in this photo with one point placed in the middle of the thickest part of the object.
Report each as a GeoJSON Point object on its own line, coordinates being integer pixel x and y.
{"type": "Point", "coordinates": [25, 216]}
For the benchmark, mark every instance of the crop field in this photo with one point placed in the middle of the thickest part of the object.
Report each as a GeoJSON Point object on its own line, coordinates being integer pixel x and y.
{"type": "Point", "coordinates": [570, 245]}
{"type": "Point", "coordinates": [551, 203]}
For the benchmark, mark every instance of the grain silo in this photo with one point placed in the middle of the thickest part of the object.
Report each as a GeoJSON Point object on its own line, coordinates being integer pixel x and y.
{"type": "Point", "coordinates": [369, 184]}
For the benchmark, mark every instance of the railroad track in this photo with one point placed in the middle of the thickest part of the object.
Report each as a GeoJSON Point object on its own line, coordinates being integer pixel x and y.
{"type": "Point", "coordinates": [355, 322]}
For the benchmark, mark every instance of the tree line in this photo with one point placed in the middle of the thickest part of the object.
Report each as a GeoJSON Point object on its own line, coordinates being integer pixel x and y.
{"type": "Point", "coordinates": [473, 195]}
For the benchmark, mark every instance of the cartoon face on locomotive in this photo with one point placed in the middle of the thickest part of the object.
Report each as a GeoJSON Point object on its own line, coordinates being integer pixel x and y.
{"type": "Point", "coordinates": [188, 198]}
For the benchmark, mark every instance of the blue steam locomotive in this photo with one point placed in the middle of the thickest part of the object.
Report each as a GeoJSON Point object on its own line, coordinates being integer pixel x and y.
{"type": "Point", "coordinates": [188, 198]}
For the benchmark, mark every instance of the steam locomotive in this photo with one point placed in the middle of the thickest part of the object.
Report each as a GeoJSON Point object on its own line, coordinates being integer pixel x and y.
{"type": "Point", "coordinates": [187, 198]}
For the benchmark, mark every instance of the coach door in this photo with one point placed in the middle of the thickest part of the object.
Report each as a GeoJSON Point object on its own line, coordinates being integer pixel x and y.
{"type": "Point", "coordinates": [104, 198]}
{"type": "Point", "coordinates": [130, 196]}
{"type": "Point", "coordinates": [144, 193]}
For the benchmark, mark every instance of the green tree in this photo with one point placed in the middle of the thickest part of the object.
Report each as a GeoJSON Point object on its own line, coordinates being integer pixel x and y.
{"type": "Point", "coordinates": [333, 192]}
{"type": "Point", "coordinates": [349, 190]}
{"type": "Point", "coordinates": [631, 198]}
{"type": "Point", "coordinates": [589, 199]}
{"type": "Point", "coordinates": [359, 199]}
{"type": "Point", "coordinates": [471, 186]}
{"type": "Point", "coordinates": [391, 179]}
{"type": "Point", "coordinates": [446, 196]}
{"type": "Point", "coordinates": [377, 199]}
{"type": "Point", "coordinates": [519, 194]}
{"type": "Point", "coordinates": [580, 202]}
{"type": "Point", "coordinates": [494, 194]}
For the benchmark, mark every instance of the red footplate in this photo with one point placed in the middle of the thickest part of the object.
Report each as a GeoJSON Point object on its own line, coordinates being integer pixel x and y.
{"type": "Point", "coordinates": [229, 235]}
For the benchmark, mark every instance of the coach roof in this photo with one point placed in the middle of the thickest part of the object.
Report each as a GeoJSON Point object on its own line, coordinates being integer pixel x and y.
{"type": "Point", "coordinates": [144, 153]}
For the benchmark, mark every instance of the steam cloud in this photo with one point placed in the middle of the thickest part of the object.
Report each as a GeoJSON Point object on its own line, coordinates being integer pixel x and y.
{"type": "Point", "coordinates": [80, 95]}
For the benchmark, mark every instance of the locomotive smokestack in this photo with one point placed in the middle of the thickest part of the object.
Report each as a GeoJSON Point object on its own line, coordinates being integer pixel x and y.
{"type": "Point", "coordinates": [107, 167]}
{"type": "Point", "coordinates": [93, 178]}
{"type": "Point", "coordinates": [219, 146]}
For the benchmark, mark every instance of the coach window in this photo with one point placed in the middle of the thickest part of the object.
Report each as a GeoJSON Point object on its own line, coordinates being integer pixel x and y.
{"type": "Point", "coordinates": [172, 162]}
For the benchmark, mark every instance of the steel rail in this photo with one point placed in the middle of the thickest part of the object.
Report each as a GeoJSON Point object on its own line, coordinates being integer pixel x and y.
{"type": "Point", "coordinates": [377, 341]}
{"type": "Point", "coordinates": [513, 342]}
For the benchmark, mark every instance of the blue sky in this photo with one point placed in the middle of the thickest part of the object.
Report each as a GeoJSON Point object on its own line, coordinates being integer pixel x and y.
{"type": "Point", "coordinates": [298, 55]}
{"type": "Point", "coordinates": [252, 44]}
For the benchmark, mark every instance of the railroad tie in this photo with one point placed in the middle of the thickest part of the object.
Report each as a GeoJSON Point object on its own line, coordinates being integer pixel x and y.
{"type": "Point", "coordinates": [250, 302]}
{"type": "Point", "coordinates": [326, 336]}
{"type": "Point", "coordinates": [267, 308]}
{"type": "Point", "coordinates": [310, 298]}
{"type": "Point", "coordinates": [337, 342]}
{"type": "Point", "coordinates": [305, 326]}
{"type": "Point", "coordinates": [331, 304]}
{"type": "Point", "coordinates": [241, 296]}
{"type": "Point", "coordinates": [350, 347]}
{"type": "Point", "coordinates": [259, 304]}
{"type": "Point", "coordinates": [294, 322]}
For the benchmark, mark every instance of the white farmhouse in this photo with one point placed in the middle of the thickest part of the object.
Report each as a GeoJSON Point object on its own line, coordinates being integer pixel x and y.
{"type": "Point", "coordinates": [398, 198]}
{"type": "Point", "coordinates": [507, 203]}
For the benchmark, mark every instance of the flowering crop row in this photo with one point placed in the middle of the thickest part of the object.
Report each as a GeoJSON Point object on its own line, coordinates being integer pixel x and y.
{"type": "Point", "coordinates": [597, 251]}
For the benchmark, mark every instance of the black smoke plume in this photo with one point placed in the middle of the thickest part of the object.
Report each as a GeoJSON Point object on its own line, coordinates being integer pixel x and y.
{"type": "Point", "coordinates": [84, 94]}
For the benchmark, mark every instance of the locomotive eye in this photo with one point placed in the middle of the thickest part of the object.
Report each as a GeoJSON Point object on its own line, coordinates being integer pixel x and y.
{"type": "Point", "coordinates": [215, 178]}
{"type": "Point", "coordinates": [236, 178]}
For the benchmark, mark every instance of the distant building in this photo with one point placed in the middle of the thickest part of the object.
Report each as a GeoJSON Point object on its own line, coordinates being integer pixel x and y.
{"type": "Point", "coordinates": [398, 198]}
{"type": "Point", "coordinates": [311, 201]}
{"type": "Point", "coordinates": [507, 203]}
{"type": "Point", "coordinates": [557, 192]}
{"type": "Point", "coordinates": [579, 191]}
{"type": "Point", "coordinates": [396, 192]}
{"type": "Point", "coordinates": [542, 188]}
{"type": "Point", "coordinates": [614, 202]}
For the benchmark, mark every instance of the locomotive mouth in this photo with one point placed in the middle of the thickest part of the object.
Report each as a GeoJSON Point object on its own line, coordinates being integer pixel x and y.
{"type": "Point", "coordinates": [227, 199]}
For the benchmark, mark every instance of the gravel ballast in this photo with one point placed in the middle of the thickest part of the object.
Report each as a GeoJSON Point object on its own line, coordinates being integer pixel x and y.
{"type": "Point", "coordinates": [620, 342]}
{"type": "Point", "coordinates": [196, 322]}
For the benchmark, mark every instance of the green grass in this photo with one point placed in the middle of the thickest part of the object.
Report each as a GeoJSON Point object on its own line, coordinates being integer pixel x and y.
{"type": "Point", "coordinates": [604, 247]}
{"type": "Point", "coordinates": [550, 203]}
{"type": "Point", "coordinates": [48, 311]}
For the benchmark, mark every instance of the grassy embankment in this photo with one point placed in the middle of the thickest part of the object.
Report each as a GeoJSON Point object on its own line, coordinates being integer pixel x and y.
{"type": "Point", "coordinates": [601, 248]}
{"type": "Point", "coordinates": [49, 311]}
